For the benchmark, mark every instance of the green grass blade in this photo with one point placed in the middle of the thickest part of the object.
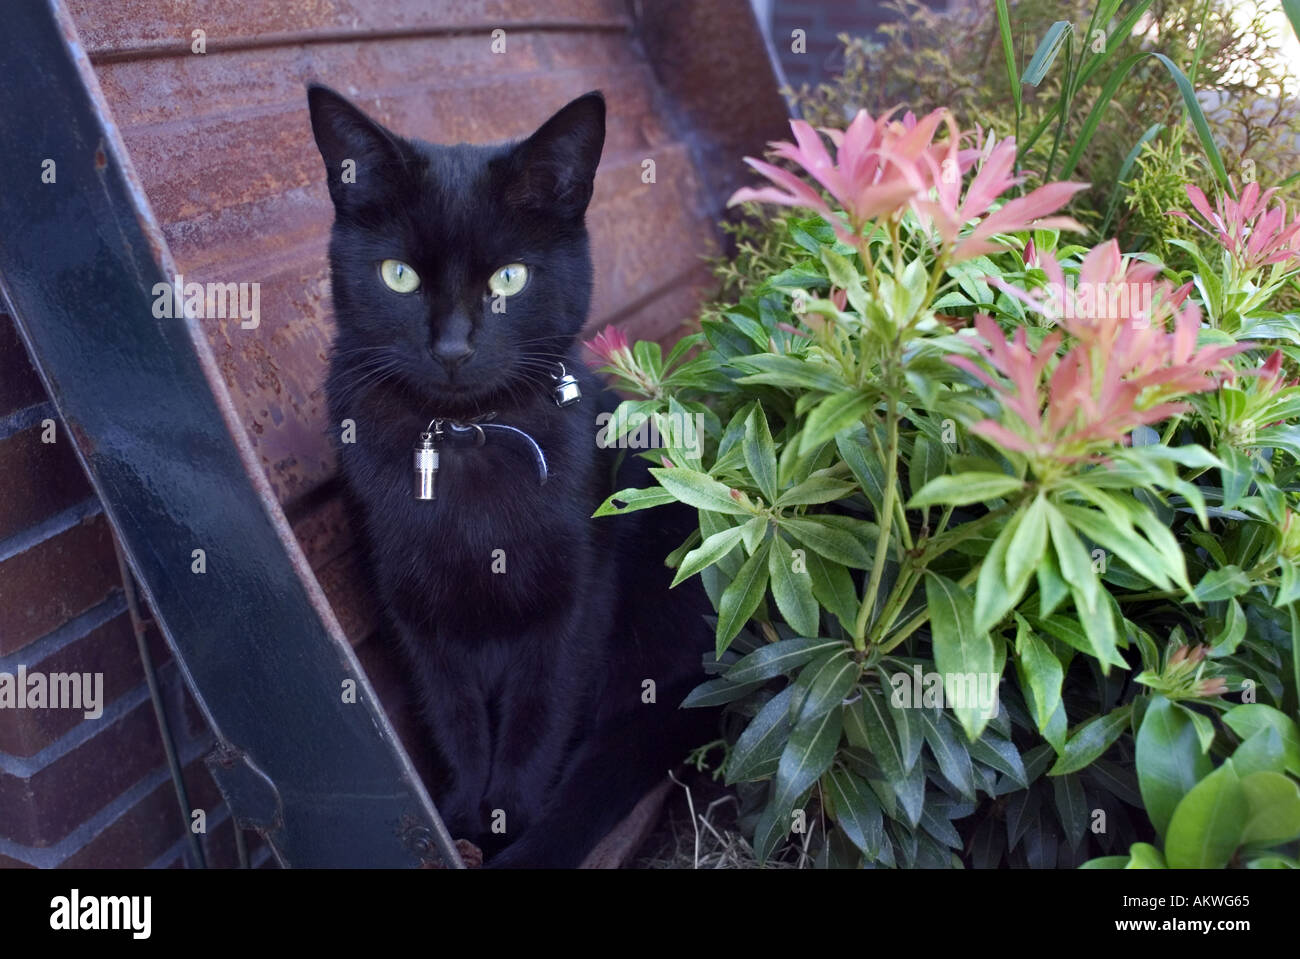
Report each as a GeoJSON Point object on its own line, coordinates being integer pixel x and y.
{"type": "Point", "coordinates": [1292, 8]}
{"type": "Point", "coordinates": [1094, 116]}
{"type": "Point", "coordinates": [1008, 52]}
{"type": "Point", "coordinates": [1198, 121]}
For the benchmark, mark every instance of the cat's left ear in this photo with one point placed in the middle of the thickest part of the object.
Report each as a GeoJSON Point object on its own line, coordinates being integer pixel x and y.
{"type": "Point", "coordinates": [553, 170]}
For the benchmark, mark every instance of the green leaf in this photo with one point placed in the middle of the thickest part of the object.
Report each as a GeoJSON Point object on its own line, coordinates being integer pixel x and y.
{"type": "Point", "coordinates": [1233, 632]}
{"type": "Point", "coordinates": [806, 756]}
{"type": "Point", "coordinates": [824, 683]}
{"type": "Point", "coordinates": [1090, 740]}
{"type": "Point", "coordinates": [856, 811]}
{"type": "Point", "coordinates": [907, 724]}
{"type": "Point", "coordinates": [716, 692]}
{"type": "Point", "coordinates": [631, 500]}
{"type": "Point", "coordinates": [1052, 588]}
{"type": "Point", "coordinates": [1075, 563]}
{"type": "Point", "coordinates": [1203, 725]}
{"type": "Point", "coordinates": [1040, 673]}
{"type": "Point", "coordinates": [1206, 826]}
{"type": "Point", "coordinates": [1046, 53]}
{"type": "Point", "coordinates": [1025, 551]}
{"type": "Point", "coordinates": [1072, 806]}
{"type": "Point", "coordinates": [928, 462]}
{"type": "Point", "coordinates": [1008, 53]}
{"type": "Point", "coordinates": [820, 487]}
{"type": "Point", "coordinates": [776, 659]}
{"type": "Point", "coordinates": [698, 490]}
{"type": "Point", "coordinates": [792, 588]}
{"type": "Point", "coordinates": [759, 747]}
{"type": "Point", "coordinates": [1248, 719]}
{"type": "Point", "coordinates": [1292, 8]}
{"type": "Point", "coordinates": [1000, 754]}
{"type": "Point", "coordinates": [1273, 802]}
{"type": "Point", "coordinates": [1143, 855]}
{"type": "Point", "coordinates": [854, 446]}
{"type": "Point", "coordinates": [960, 651]}
{"type": "Point", "coordinates": [837, 412]}
{"type": "Point", "coordinates": [949, 753]}
{"type": "Point", "coordinates": [840, 269]}
{"type": "Point", "coordinates": [832, 586]}
{"type": "Point", "coordinates": [741, 598]}
{"type": "Point", "coordinates": [1169, 760]}
{"type": "Point", "coordinates": [1221, 584]}
{"type": "Point", "coordinates": [834, 543]}
{"type": "Point", "coordinates": [1118, 535]}
{"type": "Point", "coordinates": [760, 453]}
{"type": "Point", "coordinates": [995, 596]}
{"type": "Point", "coordinates": [1260, 752]}
{"type": "Point", "coordinates": [964, 489]}
{"type": "Point", "coordinates": [910, 792]}
{"type": "Point", "coordinates": [1085, 134]}
{"type": "Point", "coordinates": [709, 552]}
{"type": "Point", "coordinates": [868, 727]}
{"type": "Point", "coordinates": [789, 372]}
{"type": "Point", "coordinates": [1198, 121]}
{"type": "Point", "coordinates": [1105, 862]}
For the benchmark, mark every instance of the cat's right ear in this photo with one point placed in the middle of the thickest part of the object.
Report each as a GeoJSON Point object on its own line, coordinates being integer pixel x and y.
{"type": "Point", "coordinates": [354, 147]}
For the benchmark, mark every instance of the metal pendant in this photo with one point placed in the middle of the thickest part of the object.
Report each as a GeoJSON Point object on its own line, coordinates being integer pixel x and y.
{"type": "Point", "coordinates": [567, 390]}
{"type": "Point", "coordinates": [426, 463]}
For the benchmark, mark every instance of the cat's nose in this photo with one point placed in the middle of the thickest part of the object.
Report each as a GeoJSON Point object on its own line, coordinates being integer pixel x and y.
{"type": "Point", "coordinates": [452, 355]}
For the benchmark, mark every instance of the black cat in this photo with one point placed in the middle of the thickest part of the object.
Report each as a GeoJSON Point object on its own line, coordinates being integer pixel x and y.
{"type": "Point", "coordinates": [461, 278]}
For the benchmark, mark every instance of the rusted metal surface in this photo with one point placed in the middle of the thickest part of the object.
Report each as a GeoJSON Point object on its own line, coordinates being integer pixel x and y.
{"type": "Point", "coordinates": [224, 150]}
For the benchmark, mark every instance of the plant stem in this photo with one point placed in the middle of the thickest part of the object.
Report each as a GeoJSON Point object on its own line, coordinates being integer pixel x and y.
{"type": "Point", "coordinates": [886, 520]}
{"type": "Point", "coordinates": [923, 616]}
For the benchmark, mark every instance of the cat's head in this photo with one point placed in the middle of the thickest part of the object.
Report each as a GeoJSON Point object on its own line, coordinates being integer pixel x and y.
{"type": "Point", "coordinates": [463, 271]}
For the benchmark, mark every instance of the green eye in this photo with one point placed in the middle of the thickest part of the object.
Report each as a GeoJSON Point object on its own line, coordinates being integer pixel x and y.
{"type": "Point", "coordinates": [508, 280]}
{"type": "Point", "coordinates": [399, 277]}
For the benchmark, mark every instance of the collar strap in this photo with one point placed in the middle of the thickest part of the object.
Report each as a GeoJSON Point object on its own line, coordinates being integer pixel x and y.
{"type": "Point", "coordinates": [450, 434]}
{"type": "Point", "coordinates": [470, 435]}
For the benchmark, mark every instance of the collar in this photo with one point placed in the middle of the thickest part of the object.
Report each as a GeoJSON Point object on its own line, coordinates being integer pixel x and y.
{"type": "Point", "coordinates": [443, 434]}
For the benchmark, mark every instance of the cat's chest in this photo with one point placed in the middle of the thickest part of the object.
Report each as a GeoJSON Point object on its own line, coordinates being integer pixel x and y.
{"type": "Point", "coordinates": [495, 539]}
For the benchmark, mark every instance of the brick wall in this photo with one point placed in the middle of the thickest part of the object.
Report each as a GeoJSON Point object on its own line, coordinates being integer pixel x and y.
{"type": "Point", "coordinates": [76, 791]}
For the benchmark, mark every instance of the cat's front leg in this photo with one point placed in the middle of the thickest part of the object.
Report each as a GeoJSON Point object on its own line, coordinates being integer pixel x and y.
{"type": "Point", "coordinates": [455, 712]}
{"type": "Point", "coordinates": [540, 712]}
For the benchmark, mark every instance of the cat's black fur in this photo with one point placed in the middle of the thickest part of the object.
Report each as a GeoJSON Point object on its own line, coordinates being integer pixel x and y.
{"type": "Point", "coordinates": [531, 679]}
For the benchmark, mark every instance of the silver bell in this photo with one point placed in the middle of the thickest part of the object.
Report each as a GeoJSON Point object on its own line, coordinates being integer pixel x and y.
{"type": "Point", "coordinates": [567, 391]}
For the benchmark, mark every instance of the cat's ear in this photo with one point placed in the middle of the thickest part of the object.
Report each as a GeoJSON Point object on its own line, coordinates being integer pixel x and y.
{"type": "Point", "coordinates": [354, 147]}
{"type": "Point", "coordinates": [553, 170]}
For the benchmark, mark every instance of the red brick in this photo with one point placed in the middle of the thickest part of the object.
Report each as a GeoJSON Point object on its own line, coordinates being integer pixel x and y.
{"type": "Point", "coordinates": [45, 807]}
{"type": "Point", "coordinates": [109, 649]}
{"type": "Point", "coordinates": [55, 581]}
{"type": "Point", "coordinates": [150, 827]}
{"type": "Point", "coordinates": [44, 478]}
